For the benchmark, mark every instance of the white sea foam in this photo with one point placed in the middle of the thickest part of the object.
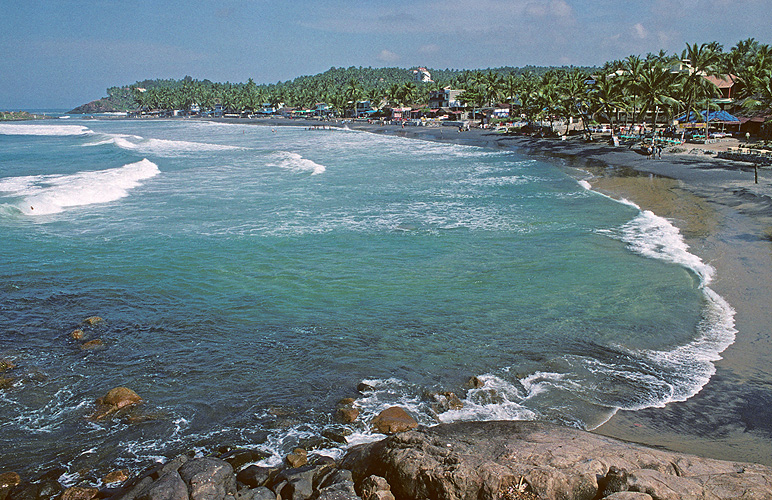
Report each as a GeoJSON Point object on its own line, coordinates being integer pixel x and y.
{"type": "Point", "coordinates": [48, 194]}
{"type": "Point", "coordinates": [158, 147]}
{"type": "Point", "coordinates": [296, 163]}
{"type": "Point", "coordinates": [691, 365]}
{"type": "Point", "coordinates": [35, 129]}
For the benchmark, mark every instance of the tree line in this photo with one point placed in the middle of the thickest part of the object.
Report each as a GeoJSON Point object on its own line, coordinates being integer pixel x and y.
{"type": "Point", "coordinates": [633, 87]}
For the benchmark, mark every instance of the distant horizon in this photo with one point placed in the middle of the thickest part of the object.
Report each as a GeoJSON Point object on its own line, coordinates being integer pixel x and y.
{"type": "Point", "coordinates": [61, 54]}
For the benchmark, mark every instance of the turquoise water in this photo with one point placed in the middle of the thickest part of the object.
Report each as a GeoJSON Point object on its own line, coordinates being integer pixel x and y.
{"type": "Point", "coordinates": [251, 277]}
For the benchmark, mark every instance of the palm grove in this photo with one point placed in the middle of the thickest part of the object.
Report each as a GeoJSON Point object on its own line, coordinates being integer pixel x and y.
{"type": "Point", "coordinates": [632, 88]}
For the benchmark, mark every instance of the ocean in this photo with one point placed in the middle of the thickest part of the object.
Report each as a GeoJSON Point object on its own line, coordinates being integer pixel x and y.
{"type": "Point", "coordinates": [250, 277]}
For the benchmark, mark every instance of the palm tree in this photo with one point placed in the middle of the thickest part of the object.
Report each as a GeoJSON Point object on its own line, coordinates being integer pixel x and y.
{"type": "Point", "coordinates": [574, 94]}
{"type": "Point", "coordinates": [657, 89]}
{"type": "Point", "coordinates": [703, 61]}
{"type": "Point", "coordinates": [606, 95]}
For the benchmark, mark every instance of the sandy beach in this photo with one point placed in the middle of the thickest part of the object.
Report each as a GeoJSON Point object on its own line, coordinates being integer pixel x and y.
{"type": "Point", "coordinates": [727, 221]}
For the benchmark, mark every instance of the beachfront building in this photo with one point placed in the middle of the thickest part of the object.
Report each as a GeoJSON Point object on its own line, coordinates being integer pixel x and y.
{"type": "Point", "coordinates": [363, 109]}
{"type": "Point", "coordinates": [446, 98]}
{"type": "Point", "coordinates": [322, 109]}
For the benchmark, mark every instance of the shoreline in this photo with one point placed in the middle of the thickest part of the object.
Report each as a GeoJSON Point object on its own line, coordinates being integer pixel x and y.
{"type": "Point", "coordinates": [726, 220]}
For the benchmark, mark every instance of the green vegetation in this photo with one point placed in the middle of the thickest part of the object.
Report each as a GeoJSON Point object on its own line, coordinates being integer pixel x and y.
{"type": "Point", "coordinates": [658, 86]}
{"type": "Point", "coordinates": [12, 116]}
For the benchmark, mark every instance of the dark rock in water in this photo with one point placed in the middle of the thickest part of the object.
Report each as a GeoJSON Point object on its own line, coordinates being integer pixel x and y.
{"type": "Point", "coordinates": [6, 364]}
{"type": "Point", "coordinates": [445, 401]}
{"type": "Point", "coordinates": [474, 383]}
{"type": "Point", "coordinates": [92, 344]}
{"type": "Point", "coordinates": [8, 480]}
{"type": "Point", "coordinates": [6, 382]}
{"type": "Point", "coordinates": [346, 414]}
{"type": "Point", "coordinates": [77, 334]}
{"type": "Point", "coordinates": [393, 420]}
{"type": "Point", "coordinates": [241, 456]}
{"type": "Point", "coordinates": [346, 402]}
{"type": "Point", "coordinates": [363, 388]}
{"type": "Point", "coordinates": [170, 486]}
{"type": "Point", "coordinates": [54, 473]}
{"type": "Point", "coordinates": [116, 476]}
{"type": "Point", "coordinates": [114, 400]}
{"type": "Point", "coordinates": [79, 493]}
{"type": "Point", "coordinates": [208, 478]}
{"type": "Point", "coordinates": [337, 435]}
{"type": "Point", "coordinates": [490, 460]}
{"type": "Point", "coordinates": [44, 489]}
{"type": "Point", "coordinates": [93, 320]}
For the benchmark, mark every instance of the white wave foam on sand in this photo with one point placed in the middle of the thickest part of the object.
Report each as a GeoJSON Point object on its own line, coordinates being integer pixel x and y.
{"type": "Point", "coordinates": [655, 237]}
{"type": "Point", "coordinates": [296, 163]}
{"type": "Point", "coordinates": [159, 147]}
{"type": "Point", "coordinates": [43, 130]}
{"type": "Point", "coordinates": [49, 194]}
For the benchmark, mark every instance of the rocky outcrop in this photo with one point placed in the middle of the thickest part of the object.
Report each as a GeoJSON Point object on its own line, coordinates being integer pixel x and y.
{"type": "Point", "coordinates": [491, 460]}
{"type": "Point", "coordinates": [99, 106]}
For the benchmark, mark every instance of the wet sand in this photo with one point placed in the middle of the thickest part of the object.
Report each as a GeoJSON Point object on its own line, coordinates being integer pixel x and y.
{"type": "Point", "coordinates": [727, 221]}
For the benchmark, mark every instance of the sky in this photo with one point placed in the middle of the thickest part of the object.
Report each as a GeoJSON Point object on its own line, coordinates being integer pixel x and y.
{"type": "Point", "coordinates": [60, 54]}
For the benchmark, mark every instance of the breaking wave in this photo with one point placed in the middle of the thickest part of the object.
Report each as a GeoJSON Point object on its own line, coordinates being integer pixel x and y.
{"type": "Point", "coordinates": [49, 194]}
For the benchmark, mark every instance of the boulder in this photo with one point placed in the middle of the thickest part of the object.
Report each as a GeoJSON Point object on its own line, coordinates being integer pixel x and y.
{"type": "Point", "coordinates": [8, 480]}
{"type": "Point", "coordinates": [170, 486]}
{"type": "Point", "coordinates": [298, 458]}
{"type": "Point", "coordinates": [6, 364]}
{"type": "Point", "coordinates": [346, 414]}
{"type": "Point", "coordinates": [240, 457]}
{"type": "Point", "coordinates": [338, 485]}
{"type": "Point", "coordinates": [77, 334]}
{"type": "Point", "coordinates": [6, 382]}
{"type": "Point", "coordinates": [115, 399]}
{"type": "Point", "coordinates": [393, 420]}
{"type": "Point", "coordinates": [260, 493]}
{"type": "Point", "coordinates": [79, 493]}
{"type": "Point", "coordinates": [208, 478]}
{"type": "Point", "coordinates": [255, 476]}
{"type": "Point", "coordinates": [489, 460]}
{"type": "Point", "coordinates": [116, 476]}
{"type": "Point", "coordinates": [337, 435]}
{"type": "Point", "coordinates": [474, 383]}
{"type": "Point", "coordinates": [120, 397]}
{"type": "Point", "coordinates": [93, 320]}
{"type": "Point", "coordinates": [92, 344]}
{"type": "Point", "coordinates": [44, 489]}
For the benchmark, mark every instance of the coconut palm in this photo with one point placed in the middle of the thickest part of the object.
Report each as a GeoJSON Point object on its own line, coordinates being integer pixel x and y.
{"type": "Point", "coordinates": [658, 91]}
{"type": "Point", "coordinates": [703, 61]}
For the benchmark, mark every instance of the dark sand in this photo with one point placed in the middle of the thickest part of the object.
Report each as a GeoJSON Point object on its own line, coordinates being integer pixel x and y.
{"type": "Point", "coordinates": [727, 221]}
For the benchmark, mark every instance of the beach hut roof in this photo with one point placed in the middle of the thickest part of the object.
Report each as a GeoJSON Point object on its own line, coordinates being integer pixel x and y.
{"type": "Point", "coordinates": [713, 116]}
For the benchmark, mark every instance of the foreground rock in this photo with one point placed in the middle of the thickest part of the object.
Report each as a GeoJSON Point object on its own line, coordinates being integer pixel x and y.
{"type": "Point", "coordinates": [491, 460]}
{"type": "Point", "coordinates": [468, 460]}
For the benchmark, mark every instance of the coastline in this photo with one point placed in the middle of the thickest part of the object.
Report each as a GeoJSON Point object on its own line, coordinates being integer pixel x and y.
{"type": "Point", "coordinates": [726, 220]}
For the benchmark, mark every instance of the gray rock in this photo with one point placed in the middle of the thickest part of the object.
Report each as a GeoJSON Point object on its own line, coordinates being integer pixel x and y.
{"type": "Point", "coordinates": [208, 479]}
{"type": "Point", "coordinates": [255, 475]}
{"type": "Point", "coordinates": [259, 493]}
{"type": "Point", "coordinates": [483, 460]}
{"type": "Point", "coordinates": [168, 487]}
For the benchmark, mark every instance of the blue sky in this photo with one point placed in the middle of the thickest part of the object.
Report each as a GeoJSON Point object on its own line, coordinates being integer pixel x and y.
{"type": "Point", "coordinates": [59, 54]}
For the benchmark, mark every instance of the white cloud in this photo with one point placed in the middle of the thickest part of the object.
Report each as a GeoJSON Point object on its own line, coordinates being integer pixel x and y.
{"type": "Point", "coordinates": [640, 31]}
{"type": "Point", "coordinates": [388, 56]}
